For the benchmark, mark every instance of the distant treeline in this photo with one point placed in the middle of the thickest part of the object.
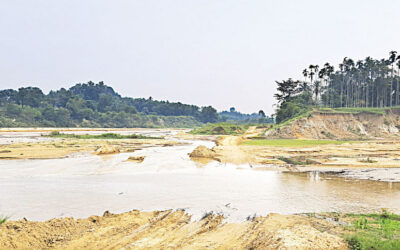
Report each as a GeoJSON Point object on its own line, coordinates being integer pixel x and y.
{"type": "Point", "coordinates": [237, 117]}
{"type": "Point", "coordinates": [368, 83]}
{"type": "Point", "coordinates": [95, 105]}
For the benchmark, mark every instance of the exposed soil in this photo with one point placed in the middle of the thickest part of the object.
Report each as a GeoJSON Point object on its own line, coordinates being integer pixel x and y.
{"type": "Point", "coordinates": [59, 148]}
{"type": "Point", "coordinates": [368, 154]}
{"type": "Point", "coordinates": [106, 150]}
{"type": "Point", "coordinates": [202, 152]}
{"type": "Point", "coordinates": [169, 229]}
{"type": "Point", "coordinates": [340, 126]}
{"type": "Point", "coordinates": [138, 159]}
{"type": "Point", "coordinates": [384, 153]}
{"type": "Point", "coordinates": [175, 229]}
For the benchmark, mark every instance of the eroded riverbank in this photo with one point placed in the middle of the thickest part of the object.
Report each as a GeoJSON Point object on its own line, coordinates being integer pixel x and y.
{"type": "Point", "coordinates": [172, 229]}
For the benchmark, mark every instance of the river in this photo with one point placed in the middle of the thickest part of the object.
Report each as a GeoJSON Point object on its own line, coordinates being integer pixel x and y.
{"type": "Point", "coordinates": [84, 184]}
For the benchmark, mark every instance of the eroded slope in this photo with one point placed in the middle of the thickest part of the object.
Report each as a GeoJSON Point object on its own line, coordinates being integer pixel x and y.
{"type": "Point", "coordinates": [330, 125]}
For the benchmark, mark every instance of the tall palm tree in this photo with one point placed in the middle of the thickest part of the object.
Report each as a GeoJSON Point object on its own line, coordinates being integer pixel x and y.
{"type": "Point", "coordinates": [397, 80]}
{"type": "Point", "coordinates": [305, 74]}
{"type": "Point", "coordinates": [311, 73]}
{"type": "Point", "coordinates": [392, 60]}
{"type": "Point", "coordinates": [366, 83]}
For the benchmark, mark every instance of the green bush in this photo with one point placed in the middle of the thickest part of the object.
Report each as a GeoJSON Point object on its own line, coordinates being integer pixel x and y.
{"type": "Point", "coordinates": [222, 128]}
{"type": "Point", "coordinates": [102, 136]}
{"type": "Point", "coordinates": [375, 231]}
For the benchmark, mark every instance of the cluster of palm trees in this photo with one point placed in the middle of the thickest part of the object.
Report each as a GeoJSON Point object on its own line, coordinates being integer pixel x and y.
{"type": "Point", "coordinates": [365, 83]}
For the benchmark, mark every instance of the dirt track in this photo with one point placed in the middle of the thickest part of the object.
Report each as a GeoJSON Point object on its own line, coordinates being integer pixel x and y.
{"type": "Point", "coordinates": [170, 230]}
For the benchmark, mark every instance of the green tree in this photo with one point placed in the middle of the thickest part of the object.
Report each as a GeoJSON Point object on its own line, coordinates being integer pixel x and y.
{"type": "Point", "coordinates": [286, 89]}
{"type": "Point", "coordinates": [30, 96]}
{"type": "Point", "coordinates": [208, 114]}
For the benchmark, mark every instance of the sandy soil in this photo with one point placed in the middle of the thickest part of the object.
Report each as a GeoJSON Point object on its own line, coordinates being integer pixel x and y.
{"type": "Point", "coordinates": [59, 148]}
{"type": "Point", "coordinates": [171, 230]}
{"type": "Point", "coordinates": [322, 125]}
{"type": "Point", "coordinates": [366, 154]}
{"type": "Point", "coordinates": [175, 229]}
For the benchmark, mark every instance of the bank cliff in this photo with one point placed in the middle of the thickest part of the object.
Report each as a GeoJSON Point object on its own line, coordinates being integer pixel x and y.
{"type": "Point", "coordinates": [171, 230]}
{"type": "Point", "coordinates": [332, 124]}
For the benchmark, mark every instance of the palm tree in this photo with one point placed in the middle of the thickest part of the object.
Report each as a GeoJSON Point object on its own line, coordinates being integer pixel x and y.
{"type": "Point", "coordinates": [305, 74]}
{"type": "Point", "coordinates": [397, 80]}
{"type": "Point", "coordinates": [303, 87]}
{"type": "Point", "coordinates": [317, 89]}
{"type": "Point", "coordinates": [366, 83]}
{"type": "Point", "coordinates": [392, 60]}
{"type": "Point", "coordinates": [311, 73]}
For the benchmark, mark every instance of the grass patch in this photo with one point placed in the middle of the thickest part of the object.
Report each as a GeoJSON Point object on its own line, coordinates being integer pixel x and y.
{"type": "Point", "coordinates": [288, 122]}
{"type": "Point", "coordinates": [374, 231]}
{"type": "Point", "coordinates": [380, 111]}
{"type": "Point", "coordinates": [222, 128]}
{"type": "Point", "coordinates": [57, 134]}
{"type": "Point", "coordinates": [3, 219]}
{"type": "Point", "coordinates": [368, 160]}
{"type": "Point", "coordinates": [297, 160]}
{"type": "Point", "coordinates": [292, 142]}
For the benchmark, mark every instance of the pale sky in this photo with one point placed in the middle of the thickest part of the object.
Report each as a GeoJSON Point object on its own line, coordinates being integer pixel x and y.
{"type": "Point", "coordinates": [203, 52]}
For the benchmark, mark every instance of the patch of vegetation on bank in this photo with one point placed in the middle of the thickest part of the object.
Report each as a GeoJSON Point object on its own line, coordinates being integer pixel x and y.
{"type": "Point", "coordinates": [222, 128]}
{"type": "Point", "coordinates": [368, 160]}
{"type": "Point", "coordinates": [3, 219]}
{"type": "Point", "coordinates": [379, 111]}
{"type": "Point", "coordinates": [305, 113]}
{"type": "Point", "coordinates": [57, 134]}
{"type": "Point", "coordinates": [297, 160]}
{"type": "Point", "coordinates": [374, 231]}
{"type": "Point", "coordinates": [292, 142]}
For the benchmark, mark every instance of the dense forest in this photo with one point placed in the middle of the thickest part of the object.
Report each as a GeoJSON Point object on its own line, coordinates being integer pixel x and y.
{"type": "Point", "coordinates": [368, 83]}
{"type": "Point", "coordinates": [95, 105]}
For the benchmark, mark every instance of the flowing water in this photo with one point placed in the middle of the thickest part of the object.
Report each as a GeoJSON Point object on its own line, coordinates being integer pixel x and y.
{"type": "Point", "coordinates": [85, 184]}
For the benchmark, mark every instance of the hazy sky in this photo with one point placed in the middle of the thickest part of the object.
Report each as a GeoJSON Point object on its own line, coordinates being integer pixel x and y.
{"type": "Point", "coordinates": [204, 52]}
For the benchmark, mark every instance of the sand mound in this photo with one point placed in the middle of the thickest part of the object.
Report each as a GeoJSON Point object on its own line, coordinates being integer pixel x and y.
{"type": "Point", "coordinates": [137, 159]}
{"type": "Point", "coordinates": [202, 152]}
{"type": "Point", "coordinates": [107, 149]}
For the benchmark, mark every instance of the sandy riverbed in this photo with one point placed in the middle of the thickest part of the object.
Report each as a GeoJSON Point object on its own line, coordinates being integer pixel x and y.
{"type": "Point", "coordinates": [238, 186]}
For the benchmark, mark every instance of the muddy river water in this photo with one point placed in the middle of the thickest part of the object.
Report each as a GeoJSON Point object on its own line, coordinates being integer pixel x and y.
{"type": "Point", "coordinates": [84, 184]}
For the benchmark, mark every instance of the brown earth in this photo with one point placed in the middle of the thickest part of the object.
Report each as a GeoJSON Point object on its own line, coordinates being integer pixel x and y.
{"type": "Point", "coordinates": [228, 150]}
{"type": "Point", "coordinates": [321, 125]}
{"type": "Point", "coordinates": [138, 159]}
{"type": "Point", "coordinates": [202, 152]}
{"type": "Point", "coordinates": [172, 230]}
{"type": "Point", "coordinates": [355, 154]}
{"type": "Point", "coordinates": [106, 150]}
{"type": "Point", "coordinates": [365, 154]}
{"type": "Point", "coordinates": [59, 148]}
